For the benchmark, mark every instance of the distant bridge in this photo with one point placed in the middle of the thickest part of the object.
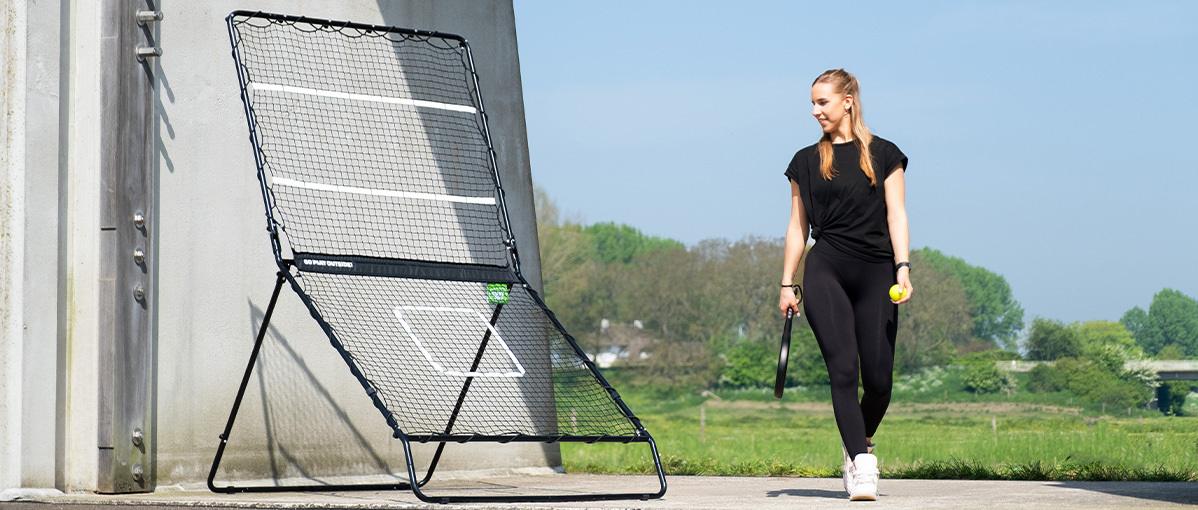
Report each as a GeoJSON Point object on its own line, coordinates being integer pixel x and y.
{"type": "Point", "coordinates": [1168, 370]}
{"type": "Point", "coordinates": [1175, 370]}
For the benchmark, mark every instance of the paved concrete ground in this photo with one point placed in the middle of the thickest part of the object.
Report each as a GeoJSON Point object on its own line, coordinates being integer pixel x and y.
{"type": "Point", "coordinates": [689, 492]}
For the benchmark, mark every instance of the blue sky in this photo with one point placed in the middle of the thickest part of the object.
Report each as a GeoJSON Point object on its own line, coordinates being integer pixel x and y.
{"type": "Point", "coordinates": [1050, 142]}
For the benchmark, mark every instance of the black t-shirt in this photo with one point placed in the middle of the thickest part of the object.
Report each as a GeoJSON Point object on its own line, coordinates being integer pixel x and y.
{"type": "Point", "coordinates": [847, 212]}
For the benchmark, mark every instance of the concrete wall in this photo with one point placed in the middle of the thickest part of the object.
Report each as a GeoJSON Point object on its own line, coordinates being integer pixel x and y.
{"type": "Point", "coordinates": [304, 414]}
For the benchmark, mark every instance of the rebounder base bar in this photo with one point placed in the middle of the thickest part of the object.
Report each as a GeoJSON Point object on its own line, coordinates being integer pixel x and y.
{"type": "Point", "coordinates": [413, 484]}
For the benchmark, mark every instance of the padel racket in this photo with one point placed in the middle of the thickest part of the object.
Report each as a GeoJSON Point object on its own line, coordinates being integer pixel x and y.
{"type": "Point", "coordinates": [783, 355]}
{"type": "Point", "coordinates": [784, 352]}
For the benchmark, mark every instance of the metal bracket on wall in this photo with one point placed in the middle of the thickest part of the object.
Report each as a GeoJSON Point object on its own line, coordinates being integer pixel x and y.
{"type": "Point", "coordinates": [144, 52]}
{"type": "Point", "coordinates": [144, 17]}
{"type": "Point", "coordinates": [127, 294]}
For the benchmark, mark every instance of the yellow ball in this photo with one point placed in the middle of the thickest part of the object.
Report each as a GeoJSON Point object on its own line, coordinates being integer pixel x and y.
{"type": "Point", "coordinates": [897, 292]}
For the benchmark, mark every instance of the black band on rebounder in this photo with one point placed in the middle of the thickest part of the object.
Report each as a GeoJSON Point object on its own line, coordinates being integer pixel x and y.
{"type": "Point", "coordinates": [398, 268]}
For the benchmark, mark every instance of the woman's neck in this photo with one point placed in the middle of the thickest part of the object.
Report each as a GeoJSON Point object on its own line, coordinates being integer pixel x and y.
{"type": "Point", "coordinates": [842, 135]}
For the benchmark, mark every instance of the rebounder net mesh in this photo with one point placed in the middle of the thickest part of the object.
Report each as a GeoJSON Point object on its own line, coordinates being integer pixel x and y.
{"type": "Point", "coordinates": [417, 341]}
{"type": "Point", "coordinates": [372, 143]}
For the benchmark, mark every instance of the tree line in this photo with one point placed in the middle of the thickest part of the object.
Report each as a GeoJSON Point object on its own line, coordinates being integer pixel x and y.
{"type": "Point", "coordinates": [707, 314]}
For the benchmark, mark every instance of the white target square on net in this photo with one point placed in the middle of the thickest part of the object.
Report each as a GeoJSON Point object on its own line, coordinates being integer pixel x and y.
{"type": "Point", "coordinates": [495, 337]}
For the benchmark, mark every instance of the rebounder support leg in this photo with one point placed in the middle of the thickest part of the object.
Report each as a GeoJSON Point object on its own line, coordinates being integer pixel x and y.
{"type": "Point", "coordinates": [224, 437]}
{"type": "Point", "coordinates": [453, 417]}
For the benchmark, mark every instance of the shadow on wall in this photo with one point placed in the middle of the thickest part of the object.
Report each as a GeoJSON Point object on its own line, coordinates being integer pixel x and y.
{"type": "Point", "coordinates": [497, 65]}
{"type": "Point", "coordinates": [162, 120]}
{"type": "Point", "coordinates": [308, 434]}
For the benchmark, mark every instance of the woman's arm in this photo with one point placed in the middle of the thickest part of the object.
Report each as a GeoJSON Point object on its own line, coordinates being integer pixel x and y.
{"type": "Point", "coordinates": [796, 244]}
{"type": "Point", "coordinates": [900, 235]}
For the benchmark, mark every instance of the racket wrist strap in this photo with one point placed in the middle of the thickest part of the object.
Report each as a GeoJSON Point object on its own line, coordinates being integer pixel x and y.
{"type": "Point", "coordinates": [796, 289]}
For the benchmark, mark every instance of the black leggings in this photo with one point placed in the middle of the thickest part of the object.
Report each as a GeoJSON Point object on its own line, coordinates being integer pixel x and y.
{"type": "Point", "coordinates": [848, 306]}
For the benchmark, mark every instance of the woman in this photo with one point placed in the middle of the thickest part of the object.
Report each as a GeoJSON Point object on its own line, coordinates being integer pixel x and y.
{"type": "Point", "coordinates": [849, 189]}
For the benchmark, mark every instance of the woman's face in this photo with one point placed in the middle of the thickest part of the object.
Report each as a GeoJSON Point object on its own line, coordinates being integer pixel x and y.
{"type": "Point", "coordinates": [828, 107]}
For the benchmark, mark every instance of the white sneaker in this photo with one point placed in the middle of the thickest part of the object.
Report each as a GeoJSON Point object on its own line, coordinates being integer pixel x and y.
{"type": "Point", "coordinates": [848, 470]}
{"type": "Point", "coordinates": [865, 478]}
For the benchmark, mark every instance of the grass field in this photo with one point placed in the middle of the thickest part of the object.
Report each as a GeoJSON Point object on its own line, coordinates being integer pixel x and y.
{"type": "Point", "coordinates": [925, 435]}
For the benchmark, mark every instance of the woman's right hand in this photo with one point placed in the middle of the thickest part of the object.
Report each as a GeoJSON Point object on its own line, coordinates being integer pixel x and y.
{"type": "Point", "coordinates": [788, 300]}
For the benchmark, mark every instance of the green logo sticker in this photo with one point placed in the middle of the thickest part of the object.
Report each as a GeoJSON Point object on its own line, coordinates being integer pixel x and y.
{"type": "Point", "coordinates": [497, 293]}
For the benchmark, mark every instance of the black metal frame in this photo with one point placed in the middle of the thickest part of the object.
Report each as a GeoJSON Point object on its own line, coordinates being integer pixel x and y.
{"type": "Point", "coordinates": [382, 267]}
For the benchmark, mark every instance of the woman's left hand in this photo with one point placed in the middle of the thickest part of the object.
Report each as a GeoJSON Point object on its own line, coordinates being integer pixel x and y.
{"type": "Point", "coordinates": [904, 280]}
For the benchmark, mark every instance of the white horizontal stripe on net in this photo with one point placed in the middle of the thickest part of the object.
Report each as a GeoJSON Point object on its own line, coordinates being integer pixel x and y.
{"type": "Point", "coordinates": [283, 181]}
{"type": "Point", "coordinates": [363, 97]}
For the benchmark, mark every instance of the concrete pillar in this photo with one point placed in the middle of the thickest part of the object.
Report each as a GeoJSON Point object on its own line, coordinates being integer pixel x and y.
{"type": "Point", "coordinates": [12, 236]}
{"type": "Point", "coordinates": [29, 243]}
{"type": "Point", "coordinates": [80, 225]}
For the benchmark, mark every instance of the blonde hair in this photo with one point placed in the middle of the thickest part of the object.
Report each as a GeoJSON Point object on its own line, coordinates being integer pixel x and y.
{"type": "Point", "coordinates": [845, 83]}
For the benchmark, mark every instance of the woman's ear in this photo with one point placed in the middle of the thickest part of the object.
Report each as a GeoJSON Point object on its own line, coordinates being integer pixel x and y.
{"type": "Point", "coordinates": [848, 102]}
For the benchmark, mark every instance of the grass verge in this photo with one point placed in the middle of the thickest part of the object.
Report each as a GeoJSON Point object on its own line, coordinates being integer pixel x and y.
{"type": "Point", "coordinates": [749, 433]}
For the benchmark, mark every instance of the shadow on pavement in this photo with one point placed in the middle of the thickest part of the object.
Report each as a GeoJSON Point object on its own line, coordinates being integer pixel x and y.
{"type": "Point", "coordinates": [1185, 493]}
{"type": "Point", "coordinates": [809, 493]}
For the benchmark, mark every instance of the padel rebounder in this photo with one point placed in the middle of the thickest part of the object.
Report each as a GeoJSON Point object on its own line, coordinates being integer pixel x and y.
{"type": "Point", "coordinates": [386, 216]}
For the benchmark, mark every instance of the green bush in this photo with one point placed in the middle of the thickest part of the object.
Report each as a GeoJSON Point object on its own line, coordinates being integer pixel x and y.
{"type": "Point", "coordinates": [754, 364]}
{"type": "Point", "coordinates": [750, 365]}
{"type": "Point", "coordinates": [1097, 383]}
{"type": "Point", "coordinates": [923, 381]}
{"type": "Point", "coordinates": [986, 378]}
{"type": "Point", "coordinates": [1112, 356]}
{"type": "Point", "coordinates": [1172, 397]}
{"type": "Point", "coordinates": [1052, 340]}
{"type": "Point", "coordinates": [1045, 378]}
{"type": "Point", "coordinates": [1118, 395]}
